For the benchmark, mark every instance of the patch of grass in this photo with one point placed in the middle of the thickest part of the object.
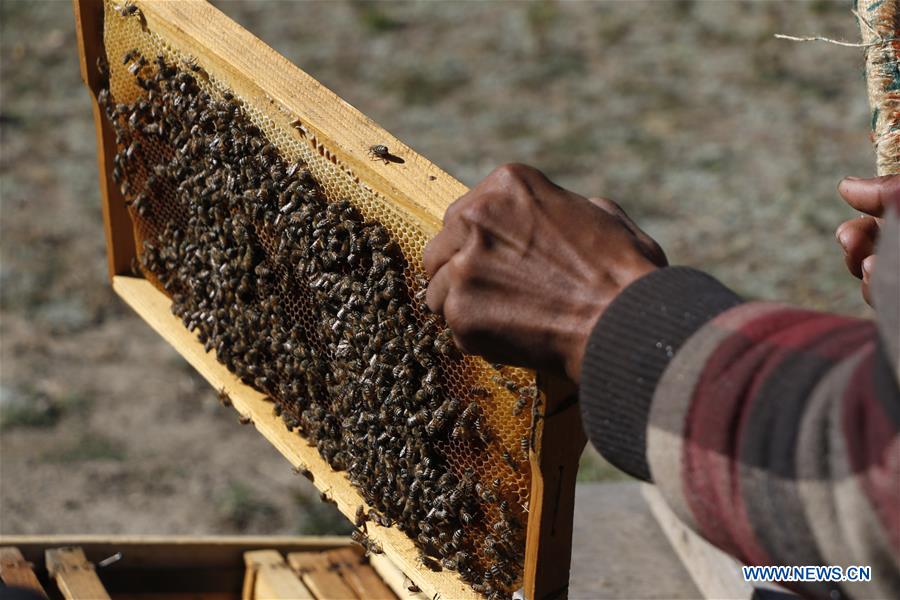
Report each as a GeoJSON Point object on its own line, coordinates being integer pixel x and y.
{"type": "Point", "coordinates": [562, 155]}
{"type": "Point", "coordinates": [242, 509]}
{"type": "Point", "coordinates": [41, 413]}
{"type": "Point", "coordinates": [541, 17]}
{"type": "Point", "coordinates": [823, 7]}
{"type": "Point", "coordinates": [554, 64]}
{"type": "Point", "coordinates": [321, 518]}
{"type": "Point", "coordinates": [511, 127]}
{"type": "Point", "coordinates": [30, 408]}
{"type": "Point", "coordinates": [593, 467]}
{"type": "Point", "coordinates": [425, 86]}
{"type": "Point", "coordinates": [375, 20]}
{"type": "Point", "coordinates": [91, 446]}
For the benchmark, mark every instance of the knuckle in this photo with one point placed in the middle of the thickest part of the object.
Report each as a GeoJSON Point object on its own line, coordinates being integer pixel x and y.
{"type": "Point", "coordinates": [453, 211]}
{"type": "Point", "coordinates": [433, 301]}
{"type": "Point", "coordinates": [464, 268]}
{"type": "Point", "coordinates": [456, 315]}
{"type": "Point", "coordinates": [607, 204]}
{"type": "Point", "coordinates": [433, 254]}
{"type": "Point", "coordinates": [479, 210]}
{"type": "Point", "coordinates": [512, 173]}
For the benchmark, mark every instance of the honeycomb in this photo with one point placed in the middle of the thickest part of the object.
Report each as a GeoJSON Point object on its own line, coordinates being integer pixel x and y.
{"type": "Point", "coordinates": [498, 459]}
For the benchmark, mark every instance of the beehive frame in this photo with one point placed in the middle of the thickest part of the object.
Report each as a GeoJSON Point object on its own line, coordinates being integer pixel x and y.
{"type": "Point", "coordinates": [343, 135]}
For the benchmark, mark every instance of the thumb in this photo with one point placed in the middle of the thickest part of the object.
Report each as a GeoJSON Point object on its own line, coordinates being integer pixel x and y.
{"type": "Point", "coordinates": [871, 196]}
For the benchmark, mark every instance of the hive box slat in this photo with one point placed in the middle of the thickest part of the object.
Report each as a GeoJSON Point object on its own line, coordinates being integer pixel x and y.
{"type": "Point", "coordinates": [16, 571]}
{"type": "Point", "coordinates": [75, 575]}
{"type": "Point", "coordinates": [325, 583]}
{"type": "Point", "coordinates": [270, 578]}
{"type": "Point", "coordinates": [361, 577]}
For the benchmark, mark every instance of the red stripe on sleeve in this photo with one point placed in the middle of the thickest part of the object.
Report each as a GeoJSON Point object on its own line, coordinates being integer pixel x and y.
{"type": "Point", "coordinates": [873, 447]}
{"type": "Point", "coordinates": [722, 399]}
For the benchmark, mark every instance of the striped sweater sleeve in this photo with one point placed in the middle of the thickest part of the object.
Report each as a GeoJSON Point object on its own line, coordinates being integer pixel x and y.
{"type": "Point", "coordinates": [772, 431]}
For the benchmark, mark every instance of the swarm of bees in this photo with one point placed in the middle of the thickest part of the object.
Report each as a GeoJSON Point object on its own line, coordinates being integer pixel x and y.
{"type": "Point", "coordinates": [306, 300]}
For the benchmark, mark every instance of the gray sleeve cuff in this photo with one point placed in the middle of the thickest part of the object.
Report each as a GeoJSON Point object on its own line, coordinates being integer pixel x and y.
{"type": "Point", "coordinates": [630, 347]}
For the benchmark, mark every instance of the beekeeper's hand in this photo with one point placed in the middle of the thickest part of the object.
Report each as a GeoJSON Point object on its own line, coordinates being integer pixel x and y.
{"type": "Point", "coordinates": [858, 236]}
{"type": "Point", "coordinates": [523, 268]}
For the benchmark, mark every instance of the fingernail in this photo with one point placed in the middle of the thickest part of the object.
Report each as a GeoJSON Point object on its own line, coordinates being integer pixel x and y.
{"type": "Point", "coordinates": [851, 178]}
{"type": "Point", "coordinates": [841, 237]}
{"type": "Point", "coordinates": [846, 182]}
{"type": "Point", "coordinates": [867, 264]}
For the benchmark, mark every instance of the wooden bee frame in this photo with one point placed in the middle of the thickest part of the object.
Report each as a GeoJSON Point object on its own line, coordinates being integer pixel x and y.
{"type": "Point", "coordinates": [416, 185]}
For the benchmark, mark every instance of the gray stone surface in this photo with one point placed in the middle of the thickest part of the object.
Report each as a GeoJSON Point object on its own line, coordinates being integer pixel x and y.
{"type": "Point", "coordinates": [619, 551]}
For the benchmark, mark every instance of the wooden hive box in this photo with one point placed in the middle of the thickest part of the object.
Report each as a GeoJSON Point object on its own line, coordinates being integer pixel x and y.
{"type": "Point", "coordinates": [408, 193]}
{"type": "Point", "coordinates": [202, 568]}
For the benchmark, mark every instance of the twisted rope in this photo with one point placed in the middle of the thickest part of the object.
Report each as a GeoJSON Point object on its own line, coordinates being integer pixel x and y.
{"type": "Point", "coordinates": [879, 23]}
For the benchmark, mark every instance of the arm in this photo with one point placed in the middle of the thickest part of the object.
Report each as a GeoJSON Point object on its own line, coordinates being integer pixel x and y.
{"type": "Point", "coordinates": [770, 430]}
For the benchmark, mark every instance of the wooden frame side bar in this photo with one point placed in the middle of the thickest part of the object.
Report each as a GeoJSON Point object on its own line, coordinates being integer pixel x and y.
{"type": "Point", "coordinates": [559, 440]}
{"type": "Point", "coordinates": [117, 225]}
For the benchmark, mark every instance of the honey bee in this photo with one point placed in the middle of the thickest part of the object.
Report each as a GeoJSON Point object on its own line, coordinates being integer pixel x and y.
{"type": "Point", "coordinates": [519, 406]}
{"type": "Point", "coordinates": [301, 470]}
{"type": "Point", "coordinates": [497, 574]}
{"type": "Point", "coordinates": [373, 547]}
{"type": "Point", "coordinates": [224, 398]}
{"type": "Point", "coordinates": [470, 413]}
{"type": "Point", "coordinates": [358, 536]}
{"type": "Point", "coordinates": [298, 125]}
{"type": "Point", "coordinates": [508, 459]}
{"type": "Point", "coordinates": [103, 71]}
{"type": "Point", "coordinates": [482, 431]}
{"type": "Point", "coordinates": [361, 516]}
{"type": "Point", "coordinates": [486, 493]}
{"type": "Point", "coordinates": [430, 563]}
{"type": "Point", "coordinates": [141, 203]}
{"type": "Point", "coordinates": [137, 65]}
{"type": "Point", "coordinates": [127, 8]}
{"type": "Point", "coordinates": [380, 152]}
{"type": "Point", "coordinates": [194, 66]}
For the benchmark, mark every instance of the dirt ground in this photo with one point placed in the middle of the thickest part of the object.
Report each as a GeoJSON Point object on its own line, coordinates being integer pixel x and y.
{"type": "Point", "coordinates": [725, 143]}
